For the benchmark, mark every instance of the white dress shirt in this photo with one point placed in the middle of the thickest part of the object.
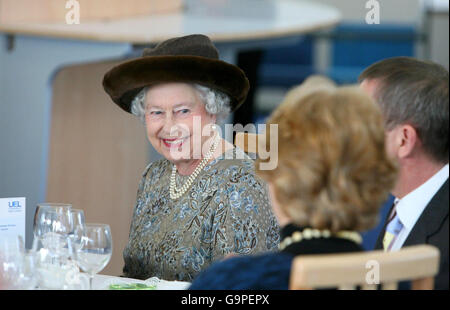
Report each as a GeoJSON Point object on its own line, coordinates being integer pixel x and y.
{"type": "Point", "coordinates": [410, 207]}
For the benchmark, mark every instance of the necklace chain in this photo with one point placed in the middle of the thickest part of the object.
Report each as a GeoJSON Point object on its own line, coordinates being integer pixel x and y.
{"type": "Point", "coordinates": [175, 192]}
{"type": "Point", "coordinates": [309, 233]}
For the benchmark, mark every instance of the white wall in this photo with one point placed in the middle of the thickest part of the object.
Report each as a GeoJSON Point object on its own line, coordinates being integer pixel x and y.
{"type": "Point", "coordinates": [439, 38]}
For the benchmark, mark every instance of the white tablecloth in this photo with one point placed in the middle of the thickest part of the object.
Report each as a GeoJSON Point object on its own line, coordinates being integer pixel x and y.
{"type": "Point", "coordinates": [102, 282]}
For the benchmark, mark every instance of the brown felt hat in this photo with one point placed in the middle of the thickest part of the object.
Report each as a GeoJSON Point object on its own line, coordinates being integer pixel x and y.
{"type": "Point", "coordinates": [191, 59]}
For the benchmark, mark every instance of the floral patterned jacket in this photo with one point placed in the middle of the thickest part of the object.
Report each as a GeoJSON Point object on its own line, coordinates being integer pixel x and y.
{"type": "Point", "coordinates": [226, 210]}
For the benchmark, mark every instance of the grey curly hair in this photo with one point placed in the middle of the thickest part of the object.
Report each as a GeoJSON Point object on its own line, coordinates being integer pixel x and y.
{"type": "Point", "coordinates": [216, 102]}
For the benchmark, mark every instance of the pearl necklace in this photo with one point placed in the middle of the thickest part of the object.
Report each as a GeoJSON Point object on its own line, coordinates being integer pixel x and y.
{"type": "Point", "coordinates": [309, 233]}
{"type": "Point", "coordinates": [176, 193]}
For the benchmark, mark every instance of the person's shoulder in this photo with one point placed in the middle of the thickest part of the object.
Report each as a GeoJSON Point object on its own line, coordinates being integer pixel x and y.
{"type": "Point", "coordinates": [236, 164]}
{"type": "Point", "coordinates": [236, 156]}
{"type": "Point", "coordinates": [259, 260]}
{"type": "Point", "coordinates": [442, 196]}
{"type": "Point", "coordinates": [262, 271]}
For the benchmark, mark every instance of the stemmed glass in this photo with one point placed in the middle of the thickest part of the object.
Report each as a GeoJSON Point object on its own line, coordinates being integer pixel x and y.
{"type": "Point", "coordinates": [74, 242]}
{"type": "Point", "coordinates": [53, 225]}
{"type": "Point", "coordinates": [78, 229]}
{"type": "Point", "coordinates": [96, 249]}
{"type": "Point", "coordinates": [52, 218]}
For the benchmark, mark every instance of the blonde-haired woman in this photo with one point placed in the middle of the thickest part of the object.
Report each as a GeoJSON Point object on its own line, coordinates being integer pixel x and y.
{"type": "Point", "coordinates": [333, 174]}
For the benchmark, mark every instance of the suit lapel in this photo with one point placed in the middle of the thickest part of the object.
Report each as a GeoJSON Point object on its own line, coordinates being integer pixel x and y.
{"type": "Point", "coordinates": [430, 220]}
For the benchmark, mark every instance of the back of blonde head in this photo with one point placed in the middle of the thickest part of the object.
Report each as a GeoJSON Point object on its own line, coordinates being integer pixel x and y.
{"type": "Point", "coordinates": [333, 172]}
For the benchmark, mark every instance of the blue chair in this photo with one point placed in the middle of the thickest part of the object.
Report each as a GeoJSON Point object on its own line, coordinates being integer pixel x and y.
{"type": "Point", "coordinates": [357, 46]}
{"type": "Point", "coordinates": [287, 66]}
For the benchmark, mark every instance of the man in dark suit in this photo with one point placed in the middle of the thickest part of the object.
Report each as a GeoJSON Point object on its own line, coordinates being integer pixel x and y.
{"type": "Point", "coordinates": [413, 96]}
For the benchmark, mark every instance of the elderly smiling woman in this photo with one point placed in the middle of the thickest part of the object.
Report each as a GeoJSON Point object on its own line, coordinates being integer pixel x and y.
{"type": "Point", "coordinates": [203, 200]}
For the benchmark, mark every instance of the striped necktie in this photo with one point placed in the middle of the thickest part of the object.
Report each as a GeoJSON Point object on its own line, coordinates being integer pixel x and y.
{"type": "Point", "coordinates": [393, 228]}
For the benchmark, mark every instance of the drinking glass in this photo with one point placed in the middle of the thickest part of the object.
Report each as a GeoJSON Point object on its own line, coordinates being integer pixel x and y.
{"type": "Point", "coordinates": [52, 217]}
{"type": "Point", "coordinates": [52, 268]}
{"type": "Point", "coordinates": [11, 261]}
{"type": "Point", "coordinates": [96, 249]}
{"type": "Point", "coordinates": [53, 224]}
{"type": "Point", "coordinates": [28, 278]}
{"type": "Point", "coordinates": [78, 229]}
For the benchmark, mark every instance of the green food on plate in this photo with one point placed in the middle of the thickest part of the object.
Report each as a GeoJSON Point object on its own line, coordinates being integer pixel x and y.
{"type": "Point", "coordinates": [132, 286]}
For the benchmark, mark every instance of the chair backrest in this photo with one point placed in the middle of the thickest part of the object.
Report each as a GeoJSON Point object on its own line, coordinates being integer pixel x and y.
{"type": "Point", "coordinates": [418, 264]}
{"type": "Point", "coordinates": [248, 142]}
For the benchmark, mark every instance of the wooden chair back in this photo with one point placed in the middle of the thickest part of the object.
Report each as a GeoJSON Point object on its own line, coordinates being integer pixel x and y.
{"type": "Point", "coordinates": [419, 264]}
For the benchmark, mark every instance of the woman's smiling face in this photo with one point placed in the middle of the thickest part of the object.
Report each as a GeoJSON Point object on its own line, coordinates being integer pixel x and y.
{"type": "Point", "coordinates": [172, 110]}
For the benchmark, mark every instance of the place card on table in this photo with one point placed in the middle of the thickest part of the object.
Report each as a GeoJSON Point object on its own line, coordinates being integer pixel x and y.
{"type": "Point", "coordinates": [12, 217]}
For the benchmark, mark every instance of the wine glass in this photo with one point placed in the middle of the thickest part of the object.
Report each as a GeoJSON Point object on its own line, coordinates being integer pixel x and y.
{"type": "Point", "coordinates": [78, 229]}
{"type": "Point", "coordinates": [56, 230]}
{"type": "Point", "coordinates": [53, 224]}
{"type": "Point", "coordinates": [76, 235]}
{"type": "Point", "coordinates": [96, 249]}
{"type": "Point", "coordinates": [52, 217]}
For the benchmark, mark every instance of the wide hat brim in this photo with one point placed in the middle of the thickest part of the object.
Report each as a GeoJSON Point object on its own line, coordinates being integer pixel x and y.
{"type": "Point", "coordinates": [126, 80]}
